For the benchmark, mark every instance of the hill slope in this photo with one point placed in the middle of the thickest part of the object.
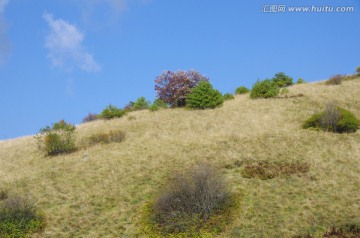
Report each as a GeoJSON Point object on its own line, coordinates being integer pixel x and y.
{"type": "Point", "coordinates": [101, 191]}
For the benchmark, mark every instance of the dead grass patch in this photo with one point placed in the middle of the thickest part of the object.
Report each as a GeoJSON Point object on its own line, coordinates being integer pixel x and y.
{"type": "Point", "coordinates": [346, 231]}
{"type": "Point", "coordinates": [349, 230]}
{"type": "Point", "coordinates": [269, 170]}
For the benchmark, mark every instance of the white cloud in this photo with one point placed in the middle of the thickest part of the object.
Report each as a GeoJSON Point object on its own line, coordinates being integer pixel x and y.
{"type": "Point", "coordinates": [2, 5]}
{"type": "Point", "coordinates": [64, 43]}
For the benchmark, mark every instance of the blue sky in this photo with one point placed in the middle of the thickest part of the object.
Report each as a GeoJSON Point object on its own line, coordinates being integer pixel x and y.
{"type": "Point", "coordinates": [61, 59]}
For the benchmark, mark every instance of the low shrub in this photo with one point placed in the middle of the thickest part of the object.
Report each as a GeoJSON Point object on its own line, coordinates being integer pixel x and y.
{"type": "Point", "coordinates": [264, 89]}
{"type": "Point", "coordinates": [358, 70]}
{"type": "Point", "coordinates": [19, 217]}
{"type": "Point", "coordinates": [105, 138]}
{"type": "Point", "coordinates": [282, 80]}
{"type": "Point", "coordinates": [228, 96]}
{"type": "Point", "coordinates": [129, 107]}
{"type": "Point", "coordinates": [334, 119]}
{"type": "Point", "coordinates": [111, 112]}
{"type": "Point", "coordinates": [269, 170]}
{"type": "Point", "coordinates": [154, 107]}
{"type": "Point", "coordinates": [90, 117]}
{"type": "Point", "coordinates": [300, 81]}
{"type": "Point", "coordinates": [204, 96]}
{"type": "Point", "coordinates": [58, 139]}
{"type": "Point", "coordinates": [242, 90]}
{"type": "Point", "coordinates": [158, 104]}
{"type": "Point", "coordinates": [350, 77]}
{"type": "Point", "coordinates": [335, 80]}
{"type": "Point", "coordinates": [190, 200]}
{"type": "Point", "coordinates": [141, 104]}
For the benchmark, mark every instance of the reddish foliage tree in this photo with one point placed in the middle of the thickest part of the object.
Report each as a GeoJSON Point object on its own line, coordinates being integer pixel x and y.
{"type": "Point", "coordinates": [173, 87]}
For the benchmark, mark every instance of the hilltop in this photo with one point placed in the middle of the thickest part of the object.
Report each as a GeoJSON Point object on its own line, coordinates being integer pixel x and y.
{"type": "Point", "coordinates": [101, 191]}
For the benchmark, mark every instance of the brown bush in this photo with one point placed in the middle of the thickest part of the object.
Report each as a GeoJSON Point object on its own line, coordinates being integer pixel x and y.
{"type": "Point", "coordinates": [190, 198]}
{"type": "Point", "coordinates": [335, 80]}
{"type": "Point", "coordinates": [90, 117]}
{"type": "Point", "coordinates": [111, 136]}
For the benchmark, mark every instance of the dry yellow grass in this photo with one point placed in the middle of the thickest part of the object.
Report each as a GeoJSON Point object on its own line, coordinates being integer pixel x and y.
{"type": "Point", "coordinates": [101, 191]}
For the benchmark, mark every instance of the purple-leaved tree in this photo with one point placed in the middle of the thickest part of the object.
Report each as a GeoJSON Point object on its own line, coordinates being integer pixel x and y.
{"type": "Point", "coordinates": [173, 87]}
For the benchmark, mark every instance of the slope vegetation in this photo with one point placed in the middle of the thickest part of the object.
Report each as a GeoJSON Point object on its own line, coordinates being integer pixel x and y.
{"type": "Point", "coordinates": [101, 191]}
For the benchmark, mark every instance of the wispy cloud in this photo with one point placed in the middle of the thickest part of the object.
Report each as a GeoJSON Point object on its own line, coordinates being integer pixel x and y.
{"type": "Point", "coordinates": [4, 42]}
{"type": "Point", "coordinates": [65, 45]}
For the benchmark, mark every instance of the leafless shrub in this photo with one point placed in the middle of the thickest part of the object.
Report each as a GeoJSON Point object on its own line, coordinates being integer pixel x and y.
{"type": "Point", "coordinates": [90, 117]}
{"type": "Point", "coordinates": [331, 117]}
{"type": "Point", "coordinates": [190, 196]}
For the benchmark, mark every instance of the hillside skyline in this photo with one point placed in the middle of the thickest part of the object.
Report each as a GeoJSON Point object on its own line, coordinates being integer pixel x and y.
{"type": "Point", "coordinates": [64, 59]}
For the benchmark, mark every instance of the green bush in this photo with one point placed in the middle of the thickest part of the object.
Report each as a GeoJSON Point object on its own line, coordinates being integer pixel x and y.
{"type": "Point", "coordinates": [335, 119]}
{"type": "Point", "coordinates": [282, 80]}
{"type": "Point", "coordinates": [358, 70]}
{"type": "Point", "coordinates": [228, 96]}
{"type": "Point", "coordinates": [191, 199]}
{"type": "Point", "coordinates": [300, 81]}
{"type": "Point", "coordinates": [141, 104]}
{"type": "Point", "coordinates": [58, 139]}
{"type": "Point", "coordinates": [158, 104]}
{"type": "Point", "coordinates": [264, 89]}
{"type": "Point", "coordinates": [204, 96]}
{"type": "Point", "coordinates": [348, 122]}
{"type": "Point", "coordinates": [111, 112]}
{"type": "Point", "coordinates": [19, 218]}
{"type": "Point", "coordinates": [154, 107]}
{"type": "Point", "coordinates": [314, 121]}
{"type": "Point", "coordinates": [242, 90]}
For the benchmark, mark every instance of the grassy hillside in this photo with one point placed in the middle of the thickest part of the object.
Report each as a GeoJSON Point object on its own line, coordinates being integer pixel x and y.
{"type": "Point", "coordinates": [101, 191]}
